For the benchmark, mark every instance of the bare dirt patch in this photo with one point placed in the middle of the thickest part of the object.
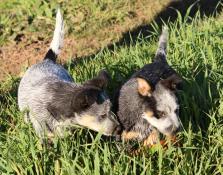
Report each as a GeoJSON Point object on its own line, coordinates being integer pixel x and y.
{"type": "Point", "coordinates": [15, 58]}
{"type": "Point", "coordinates": [28, 49]}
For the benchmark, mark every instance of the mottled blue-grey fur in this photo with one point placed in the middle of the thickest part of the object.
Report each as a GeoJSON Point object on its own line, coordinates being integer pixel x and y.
{"type": "Point", "coordinates": [51, 100]}
{"type": "Point", "coordinates": [155, 106]}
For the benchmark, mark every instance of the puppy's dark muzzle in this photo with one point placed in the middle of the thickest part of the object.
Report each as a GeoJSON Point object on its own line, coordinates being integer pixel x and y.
{"type": "Point", "coordinates": [172, 130]}
{"type": "Point", "coordinates": [176, 130]}
{"type": "Point", "coordinates": [117, 130]}
{"type": "Point", "coordinates": [118, 133]}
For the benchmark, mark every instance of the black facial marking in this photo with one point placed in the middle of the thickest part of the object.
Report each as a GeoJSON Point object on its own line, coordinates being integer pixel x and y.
{"type": "Point", "coordinates": [160, 114]}
{"type": "Point", "coordinates": [61, 103]}
{"type": "Point", "coordinates": [100, 98]}
{"type": "Point", "coordinates": [171, 82]}
{"type": "Point", "coordinates": [177, 111]}
{"type": "Point", "coordinates": [85, 98]}
{"type": "Point", "coordinates": [68, 98]}
{"type": "Point", "coordinates": [102, 117]}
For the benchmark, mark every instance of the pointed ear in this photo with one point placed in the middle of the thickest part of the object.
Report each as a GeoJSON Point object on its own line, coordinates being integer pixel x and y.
{"type": "Point", "coordinates": [172, 82]}
{"type": "Point", "coordinates": [83, 99]}
{"type": "Point", "coordinates": [101, 81]}
{"type": "Point", "coordinates": [144, 88]}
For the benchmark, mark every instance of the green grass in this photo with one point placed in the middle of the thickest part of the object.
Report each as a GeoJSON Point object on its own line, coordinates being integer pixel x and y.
{"type": "Point", "coordinates": [195, 50]}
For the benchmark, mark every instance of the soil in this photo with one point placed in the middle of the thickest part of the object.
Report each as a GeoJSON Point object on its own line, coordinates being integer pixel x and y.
{"type": "Point", "coordinates": [29, 48]}
{"type": "Point", "coordinates": [16, 57]}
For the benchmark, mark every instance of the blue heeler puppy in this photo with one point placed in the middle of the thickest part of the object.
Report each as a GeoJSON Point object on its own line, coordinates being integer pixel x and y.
{"type": "Point", "coordinates": [146, 104]}
{"type": "Point", "coordinates": [53, 102]}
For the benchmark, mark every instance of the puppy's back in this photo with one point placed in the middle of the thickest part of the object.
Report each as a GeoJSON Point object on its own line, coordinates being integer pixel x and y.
{"type": "Point", "coordinates": [46, 68]}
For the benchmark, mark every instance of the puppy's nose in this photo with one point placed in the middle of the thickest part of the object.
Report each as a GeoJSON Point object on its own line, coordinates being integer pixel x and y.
{"type": "Point", "coordinates": [178, 129]}
{"type": "Point", "coordinates": [117, 130]}
{"type": "Point", "coordinates": [117, 133]}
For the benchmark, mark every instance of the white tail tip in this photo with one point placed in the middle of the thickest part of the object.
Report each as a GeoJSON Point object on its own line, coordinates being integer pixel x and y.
{"type": "Point", "coordinates": [162, 45]}
{"type": "Point", "coordinates": [163, 38]}
{"type": "Point", "coordinates": [58, 35]}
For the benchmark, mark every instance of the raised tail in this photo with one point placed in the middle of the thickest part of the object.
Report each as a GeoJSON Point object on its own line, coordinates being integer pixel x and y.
{"type": "Point", "coordinates": [57, 41]}
{"type": "Point", "coordinates": [162, 45]}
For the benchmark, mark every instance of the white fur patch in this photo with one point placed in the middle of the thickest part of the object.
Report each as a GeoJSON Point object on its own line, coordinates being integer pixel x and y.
{"type": "Point", "coordinates": [164, 36]}
{"type": "Point", "coordinates": [58, 35]}
{"type": "Point", "coordinates": [162, 42]}
{"type": "Point", "coordinates": [106, 126]}
{"type": "Point", "coordinates": [160, 124]}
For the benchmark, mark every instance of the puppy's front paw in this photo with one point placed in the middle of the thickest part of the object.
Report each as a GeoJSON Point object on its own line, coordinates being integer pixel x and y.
{"type": "Point", "coordinates": [170, 139]}
{"type": "Point", "coordinates": [152, 139]}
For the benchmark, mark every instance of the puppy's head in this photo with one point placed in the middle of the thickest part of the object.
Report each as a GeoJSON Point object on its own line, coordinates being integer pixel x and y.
{"type": "Point", "coordinates": [93, 107]}
{"type": "Point", "coordinates": [166, 114]}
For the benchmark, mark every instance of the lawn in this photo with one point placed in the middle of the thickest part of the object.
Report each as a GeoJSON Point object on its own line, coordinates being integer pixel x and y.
{"type": "Point", "coordinates": [195, 50]}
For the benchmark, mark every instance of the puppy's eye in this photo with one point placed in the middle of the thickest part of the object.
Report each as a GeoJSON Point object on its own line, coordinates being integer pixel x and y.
{"type": "Point", "coordinates": [101, 98]}
{"type": "Point", "coordinates": [103, 116]}
{"type": "Point", "coordinates": [161, 114]}
{"type": "Point", "coordinates": [177, 111]}
{"type": "Point", "coordinates": [85, 105]}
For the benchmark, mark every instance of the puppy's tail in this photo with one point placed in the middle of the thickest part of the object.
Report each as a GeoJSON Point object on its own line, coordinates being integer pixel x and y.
{"type": "Point", "coordinates": [58, 36]}
{"type": "Point", "coordinates": [162, 45]}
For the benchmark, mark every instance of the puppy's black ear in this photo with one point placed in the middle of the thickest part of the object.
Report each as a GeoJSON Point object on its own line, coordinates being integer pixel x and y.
{"type": "Point", "coordinates": [83, 99]}
{"type": "Point", "coordinates": [101, 81]}
{"type": "Point", "coordinates": [173, 82]}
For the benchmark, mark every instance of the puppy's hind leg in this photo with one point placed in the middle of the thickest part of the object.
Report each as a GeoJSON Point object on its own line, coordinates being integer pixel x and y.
{"type": "Point", "coordinates": [59, 127]}
{"type": "Point", "coordinates": [38, 126]}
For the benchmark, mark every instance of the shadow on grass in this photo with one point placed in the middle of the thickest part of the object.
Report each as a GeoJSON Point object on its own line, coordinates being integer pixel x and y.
{"type": "Point", "coordinates": [205, 7]}
{"type": "Point", "coordinates": [199, 99]}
